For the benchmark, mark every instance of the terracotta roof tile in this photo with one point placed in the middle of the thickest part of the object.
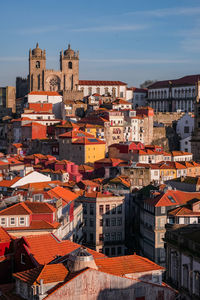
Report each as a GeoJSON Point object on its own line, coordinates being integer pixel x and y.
{"type": "Point", "coordinates": [9, 183]}
{"type": "Point", "coordinates": [48, 93]}
{"type": "Point", "coordinates": [4, 236]}
{"type": "Point", "coordinates": [183, 211]}
{"type": "Point", "coordinates": [99, 82]}
{"type": "Point", "coordinates": [66, 195]}
{"type": "Point", "coordinates": [49, 274]}
{"type": "Point", "coordinates": [172, 197]}
{"type": "Point", "coordinates": [36, 225]}
{"type": "Point", "coordinates": [16, 209]}
{"type": "Point", "coordinates": [47, 247]}
{"type": "Point", "coordinates": [28, 208]}
{"type": "Point", "coordinates": [129, 264]}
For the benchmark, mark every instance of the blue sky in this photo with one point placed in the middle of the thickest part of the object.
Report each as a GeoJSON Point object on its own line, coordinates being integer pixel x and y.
{"type": "Point", "coordinates": [126, 40]}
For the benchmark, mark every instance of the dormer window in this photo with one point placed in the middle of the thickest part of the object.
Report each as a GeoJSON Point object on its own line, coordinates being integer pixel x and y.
{"type": "Point", "coordinates": [37, 64]}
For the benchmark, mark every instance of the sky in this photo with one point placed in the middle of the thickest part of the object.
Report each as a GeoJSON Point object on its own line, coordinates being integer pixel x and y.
{"type": "Point", "coordinates": [130, 40]}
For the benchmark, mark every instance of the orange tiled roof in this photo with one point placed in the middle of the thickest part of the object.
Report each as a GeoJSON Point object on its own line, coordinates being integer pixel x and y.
{"type": "Point", "coordinates": [121, 101]}
{"type": "Point", "coordinates": [180, 153]}
{"type": "Point", "coordinates": [4, 236]}
{"type": "Point", "coordinates": [46, 247]}
{"type": "Point", "coordinates": [49, 274]}
{"type": "Point", "coordinates": [66, 195]}
{"type": "Point", "coordinates": [40, 207]}
{"type": "Point", "coordinates": [89, 183]}
{"type": "Point", "coordinates": [36, 225]}
{"type": "Point", "coordinates": [129, 264]}
{"type": "Point", "coordinates": [48, 93]}
{"type": "Point", "coordinates": [88, 141]}
{"type": "Point", "coordinates": [17, 145]}
{"type": "Point", "coordinates": [16, 209]}
{"type": "Point", "coordinates": [183, 211]}
{"type": "Point", "coordinates": [76, 133]}
{"type": "Point", "coordinates": [40, 186]}
{"type": "Point", "coordinates": [27, 208]}
{"type": "Point", "coordinates": [100, 82]}
{"type": "Point", "coordinates": [172, 197]}
{"type": "Point", "coordinates": [9, 183]}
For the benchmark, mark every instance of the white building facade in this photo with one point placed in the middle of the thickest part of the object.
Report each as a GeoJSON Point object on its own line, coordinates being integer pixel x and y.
{"type": "Point", "coordinates": [173, 95]}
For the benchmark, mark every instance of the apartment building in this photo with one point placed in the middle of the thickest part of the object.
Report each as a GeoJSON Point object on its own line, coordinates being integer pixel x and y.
{"type": "Point", "coordinates": [104, 217]}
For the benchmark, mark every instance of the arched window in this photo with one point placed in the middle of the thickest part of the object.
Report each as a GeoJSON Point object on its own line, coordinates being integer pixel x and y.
{"type": "Point", "coordinates": [155, 94]}
{"type": "Point", "coordinates": [114, 92]}
{"type": "Point", "coordinates": [98, 90]}
{"type": "Point", "coordinates": [37, 64]}
{"type": "Point", "coordinates": [175, 95]}
{"type": "Point", "coordinates": [90, 90]}
{"type": "Point", "coordinates": [69, 65]}
{"type": "Point", "coordinates": [161, 94]}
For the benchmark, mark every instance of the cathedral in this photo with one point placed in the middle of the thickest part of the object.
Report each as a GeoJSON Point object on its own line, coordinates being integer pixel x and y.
{"type": "Point", "coordinates": [41, 79]}
{"type": "Point", "coordinates": [66, 80]}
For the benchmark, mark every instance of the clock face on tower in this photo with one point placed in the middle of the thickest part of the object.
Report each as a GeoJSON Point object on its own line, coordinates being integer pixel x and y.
{"type": "Point", "coordinates": [37, 64]}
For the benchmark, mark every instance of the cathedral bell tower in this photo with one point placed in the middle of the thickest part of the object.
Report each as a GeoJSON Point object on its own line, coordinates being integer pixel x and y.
{"type": "Point", "coordinates": [69, 66]}
{"type": "Point", "coordinates": [195, 141]}
{"type": "Point", "coordinates": [37, 67]}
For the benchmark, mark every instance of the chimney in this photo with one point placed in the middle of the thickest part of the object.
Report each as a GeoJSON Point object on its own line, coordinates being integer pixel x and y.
{"type": "Point", "coordinates": [41, 286]}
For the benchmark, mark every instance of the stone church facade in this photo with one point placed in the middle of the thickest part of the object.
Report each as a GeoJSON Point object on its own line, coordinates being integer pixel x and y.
{"type": "Point", "coordinates": [42, 79]}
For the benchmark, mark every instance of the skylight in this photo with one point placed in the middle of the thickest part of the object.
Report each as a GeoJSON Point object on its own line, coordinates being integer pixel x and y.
{"type": "Point", "coordinates": [171, 199]}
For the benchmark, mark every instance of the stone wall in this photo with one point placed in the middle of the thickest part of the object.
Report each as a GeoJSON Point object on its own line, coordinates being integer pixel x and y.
{"type": "Point", "coordinates": [160, 138]}
{"type": "Point", "coordinates": [167, 118]}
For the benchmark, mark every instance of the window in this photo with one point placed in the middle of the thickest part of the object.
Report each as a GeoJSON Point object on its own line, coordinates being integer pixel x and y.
{"type": "Point", "coordinates": [187, 220]}
{"type": "Point", "coordinates": [119, 221]}
{"type": "Point", "coordinates": [100, 237]}
{"type": "Point", "coordinates": [91, 209]}
{"type": "Point", "coordinates": [107, 251]}
{"type": "Point", "coordinates": [112, 251]}
{"type": "Point", "coordinates": [119, 250]}
{"type": "Point", "coordinates": [69, 65]}
{"type": "Point", "coordinates": [113, 209]}
{"type": "Point", "coordinates": [85, 208]}
{"type": "Point", "coordinates": [101, 222]}
{"type": "Point", "coordinates": [3, 221]}
{"type": "Point", "coordinates": [107, 236]}
{"type": "Point", "coordinates": [22, 221]}
{"type": "Point", "coordinates": [197, 283]}
{"type": "Point", "coordinates": [119, 236]}
{"type": "Point", "coordinates": [23, 258]}
{"type": "Point", "coordinates": [91, 222]}
{"type": "Point", "coordinates": [163, 209]}
{"type": "Point", "coordinates": [12, 221]}
{"type": "Point", "coordinates": [91, 237]}
{"type": "Point", "coordinates": [101, 210]}
{"type": "Point", "coordinates": [107, 222]}
{"type": "Point", "coordinates": [119, 209]}
{"type": "Point", "coordinates": [107, 209]}
{"type": "Point", "coordinates": [37, 64]}
{"type": "Point", "coordinates": [113, 221]}
{"type": "Point", "coordinates": [113, 236]}
{"type": "Point", "coordinates": [186, 129]}
{"type": "Point", "coordinates": [185, 276]}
